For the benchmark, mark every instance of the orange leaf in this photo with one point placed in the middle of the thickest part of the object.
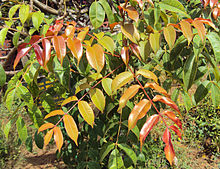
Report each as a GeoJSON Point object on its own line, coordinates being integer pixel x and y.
{"type": "Point", "coordinates": [95, 56]}
{"type": "Point", "coordinates": [200, 28]}
{"type": "Point", "coordinates": [135, 49]}
{"type": "Point", "coordinates": [151, 2]}
{"type": "Point", "coordinates": [76, 48]}
{"type": "Point", "coordinates": [167, 101]}
{"type": "Point", "coordinates": [170, 35]}
{"type": "Point", "coordinates": [69, 99]}
{"type": "Point", "coordinates": [176, 130]}
{"type": "Point", "coordinates": [58, 137]}
{"type": "Point", "coordinates": [132, 13]}
{"type": "Point", "coordinates": [148, 125]}
{"type": "Point", "coordinates": [46, 50]}
{"type": "Point", "coordinates": [60, 47]}
{"type": "Point", "coordinates": [216, 13]}
{"type": "Point", "coordinates": [21, 53]}
{"type": "Point", "coordinates": [70, 31]}
{"type": "Point", "coordinates": [173, 117]}
{"type": "Point", "coordinates": [125, 55]}
{"type": "Point", "coordinates": [45, 126]}
{"type": "Point", "coordinates": [140, 3]}
{"type": "Point", "coordinates": [81, 36]}
{"type": "Point", "coordinates": [206, 2]}
{"type": "Point", "coordinates": [48, 137]}
{"type": "Point", "coordinates": [54, 113]}
{"type": "Point", "coordinates": [147, 74]}
{"type": "Point", "coordinates": [128, 94]}
{"type": "Point", "coordinates": [169, 151]}
{"type": "Point", "coordinates": [138, 112]}
{"type": "Point", "coordinates": [71, 127]}
{"type": "Point", "coordinates": [187, 30]}
{"type": "Point", "coordinates": [213, 3]}
{"type": "Point", "coordinates": [207, 21]}
{"type": "Point", "coordinates": [157, 88]}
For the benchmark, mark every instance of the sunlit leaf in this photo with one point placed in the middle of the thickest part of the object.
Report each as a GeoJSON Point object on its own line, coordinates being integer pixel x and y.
{"type": "Point", "coordinates": [46, 51]}
{"type": "Point", "coordinates": [173, 117]}
{"type": "Point", "coordinates": [13, 10]}
{"type": "Point", "coordinates": [58, 137]}
{"type": "Point", "coordinates": [24, 13]}
{"type": "Point", "coordinates": [86, 112]}
{"type": "Point", "coordinates": [132, 13]}
{"type": "Point", "coordinates": [169, 151]}
{"type": "Point", "coordinates": [98, 98]}
{"type": "Point", "coordinates": [3, 34]}
{"type": "Point", "coordinates": [60, 47]}
{"type": "Point", "coordinates": [170, 35]}
{"type": "Point", "coordinates": [76, 48]}
{"type": "Point", "coordinates": [157, 88]}
{"type": "Point", "coordinates": [71, 127]}
{"type": "Point", "coordinates": [176, 130]}
{"type": "Point", "coordinates": [39, 54]}
{"type": "Point", "coordinates": [187, 30]}
{"type": "Point", "coordinates": [54, 113]}
{"type": "Point", "coordinates": [213, 3]}
{"type": "Point", "coordinates": [108, 11]}
{"type": "Point", "coordinates": [21, 53]}
{"type": "Point", "coordinates": [138, 112]}
{"type": "Point", "coordinates": [148, 125]}
{"type": "Point", "coordinates": [95, 56]}
{"type": "Point", "coordinates": [141, 3]}
{"type": "Point", "coordinates": [81, 36]}
{"type": "Point", "coordinates": [136, 50]}
{"type": "Point", "coordinates": [93, 77]}
{"type": "Point", "coordinates": [70, 31]}
{"type": "Point", "coordinates": [69, 99]}
{"type": "Point", "coordinates": [128, 94]}
{"type": "Point", "coordinates": [108, 43]}
{"type": "Point", "coordinates": [200, 28]}
{"type": "Point", "coordinates": [37, 19]}
{"type": "Point", "coordinates": [155, 41]}
{"type": "Point", "coordinates": [216, 13]}
{"type": "Point", "coordinates": [125, 55]}
{"type": "Point", "coordinates": [106, 84]}
{"type": "Point", "coordinates": [147, 74]}
{"type": "Point", "coordinates": [131, 32]}
{"type": "Point", "coordinates": [48, 137]}
{"type": "Point", "coordinates": [45, 126]}
{"type": "Point", "coordinates": [121, 79]}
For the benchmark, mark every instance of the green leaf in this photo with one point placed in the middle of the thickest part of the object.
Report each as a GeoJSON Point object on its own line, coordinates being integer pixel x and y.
{"type": "Point", "coordinates": [174, 6]}
{"type": "Point", "coordinates": [115, 160]}
{"type": "Point", "coordinates": [16, 38]}
{"type": "Point", "coordinates": [105, 150]}
{"type": "Point", "coordinates": [22, 129]}
{"type": "Point", "coordinates": [215, 94]}
{"type": "Point", "coordinates": [37, 19]}
{"type": "Point", "coordinates": [24, 13]}
{"type": "Point", "coordinates": [214, 39]}
{"type": "Point", "coordinates": [2, 76]}
{"type": "Point", "coordinates": [3, 34]}
{"type": "Point", "coordinates": [10, 99]}
{"type": "Point", "coordinates": [155, 41]}
{"type": "Point", "coordinates": [108, 11]}
{"type": "Point", "coordinates": [145, 49]}
{"type": "Point", "coordinates": [39, 140]}
{"type": "Point", "coordinates": [201, 91]}
{"type": "Point", "coordinates": [106, 84]}
{"type": "Point", "coordinates": [96, 14]}
{"type": "Point", "coordinates": [13, 10]}
{"type": "Point", "coordinates": [128, 150]}
{"type": "Point", "coordinates": [7, 129]}
{"type": "Point", "coordinates": [24, 94]}
{"type": "Point", "coordinates": [98, 98]}
{"type": "Point", "coordinates": [93, 165]}
{"type": "Point", "coordinates": [29, 144]}
{"type": "Point", "coordinates": [108, 43]}
{"type": "Point", "coordinates": [187, 101]}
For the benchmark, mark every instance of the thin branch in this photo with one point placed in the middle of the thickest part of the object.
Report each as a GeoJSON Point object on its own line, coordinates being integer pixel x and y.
{"type": "Point", "coordinates": [45, 8]}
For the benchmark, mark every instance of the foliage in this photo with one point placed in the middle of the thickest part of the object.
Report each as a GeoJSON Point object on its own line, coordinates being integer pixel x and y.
{"type": "Point", "coordinates": [111, 85]}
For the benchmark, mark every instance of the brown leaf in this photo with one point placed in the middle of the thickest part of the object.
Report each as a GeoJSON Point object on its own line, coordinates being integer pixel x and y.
{"type": "Point", "coordinates": [147, 74]}
{"type": "Point", "coordinates": [125, 55]}
{"type": "Point", "coordinates": [132, 13]}
{"type": "Point", "coordinates": [45, 126]}
{"type": "Point", "coordinates": [207, 21]}
{"type": "Point", "coordinates": [58, 137]}
{"type": "Point", "coordinates": [136, 50]}
{"type": "Point", "coordinates": [131, 32]}
{"type": "Point", "coordinates": [173, 117]}
{"type": "Point", "coordinates": [169, 150]}
{"type": "Point", "coordinates": [70, 31]}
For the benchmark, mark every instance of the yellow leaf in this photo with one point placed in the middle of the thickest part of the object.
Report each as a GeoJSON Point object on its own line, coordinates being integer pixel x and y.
{"type": "Point", "coordinates": [107, 43]}
{"type": "Point", "coordinates": [54, 113]}
{"type": "Point", "coordinates": [86, 112]}
{"type": "Point", "coordinates": [93, 77]}
{"type": "Point", "coordinates": [128, 94]}
{"type": "Point", "coordinates": [121, 79]}
{"type": "Point", "coordinates": [58, 137]}
{"type": "Point", "coordinates": [69, 99]}
{"type": "Point", "coordinates": [147, 74]}
{"type": "Point", "coordinates": [81, 36]}
{"type": "Point", "coordinates": [75, 47]}
{"type": "Point", "coordinates": [106, 84]}
{"type": "Point", "coordinates": [48, 137]}
{"type": "Point", "coordinates": [98, 98]}
{"type": "Point", "coordinates": [157, 88]}
{"type": "Point", "coordinates": [187, 30]}
{"type": "Point", "coordinates": [130, 31]}
{"type": "Point", "coordinates": [70, 31]}
{"type": "Point", "coordinates": [132, 13]}
{"type": "Point", "coordinates": [170, 35]}
{"type": "Point", "coordinates": [155, 41]}
{"type": "Point", "coordinates": [71, 127]}
{"type": "Point", "coordinates": [45, 126]}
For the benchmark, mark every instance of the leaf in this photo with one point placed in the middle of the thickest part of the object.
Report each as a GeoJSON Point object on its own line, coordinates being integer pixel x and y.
{"type": "Point", "coordinates": [138, 112]}
{"type": "Point", "coordinates": [105, 150]}
{"type": "Point", "coordinates": [155, 41]}
{"type": "Point", "coordinates": [48, 137]}
{"type": "Point", "coordinates": [13, 10]}
{"type": "Point", "coordinates": [16, 38]}
{"type": "Point", "coordinates": [174, 6]}
{"type": "Point", "coordinates": [125, 55]}
{"type": "Point", "coordinates": [2, 76]}
{"type": "Point", "coordinates": [81, 36]}
{"type": "Point", "coordinates": [86, 112]}
{"type": "Point", "coordinates": [7, 128]}
{"type": "Point", "coordinates": [200, 28]}
{"type": "Point", "coordinates": [147, 74]}
{"type": "Point", "coordinates": [167, 101]}
{"type": "Point", "coordinates": [120, 80]}
{"type": "Point", "coordinates": [106, 84]}
{"type": "Point", "coordinates": [213, 3]}
{"type": "Point", "coordinates": [98, 98]}
{"type": "Point", "coordinates": [29, 144]}
{"type": "Point", "coordinates": [45, 127]}
{"type": "Point", "coordinates": [60, 47]}
{"type": "Point", "coordinates": [54, 113]}
{"type": "Point", "coordinates": [71, 127]}
{"type": "Point", "coordinates": [76, 48]}
{"type": "Point", "coordinates": [130, 153]}
{"type": "Point", "coordinates": [169, 151]}
{"type": "Point", "coordinates": [108, 11]}
{"type": "Point", "coordinates": [176, 130]}
{"type": "Point", "coordinates": [173, 117]}
{"type": "Point", "coordinates": [132, 13]}
{"type": "Point", "coordinates": [108, 43]}
{"type": "Point", "coordinates": [214, 39]}
{"type": "Point", "coordinates": [136, 50]}
{"type": "Point", "coordinates": [128, 94]}
{"type": "Point", "coordinates": [95, 57]}
{"type": "Point", "coordinates": [3, 34]}
{"type": "Point", "coordinates": [201, 91]}
{"type": "Point", "coordinates": [68, 100]}
{"type": "Point", "coordinates": [39, 54]}
{"type": "Point", "coordinates": [115, 160]}
{"type": "Point", "coordinates": [170, 35]}
{"type": "Point", "coordinates": [131, 32]}
{"type": "Point", "coordinates": [22, 129]}
{"type": "Point", "coordinates": [46, 51]}
{"type": "Point", "coordinates": [216, 13]}
{"type": "Point", "coordinates": [39, 140]}
{"type": "Point", "coordinates": [96, 14]}
{"type": "Point", "coordinates": [215, 93]}
{"type": "Point", "coordinates": [187, 101]}
{"type": "Point", "coordinates": [10, 98]}
{"type": "Point", "coordinates": [187, 30]}
{"type": "Point", "coordinates": [21, 53]}
{"type": "Point", "coordinates": [157, 88]}
{"type": "Point", "coordinates": [70, 31]}
{"type": "Point", "coordinates": [148, 125]}
{"type": "Point", "coordinates": [58, 137]}
{"type": "Point", "coordinates": [24, 13]}
{"type": "Point", "coordinates": [37, 19]}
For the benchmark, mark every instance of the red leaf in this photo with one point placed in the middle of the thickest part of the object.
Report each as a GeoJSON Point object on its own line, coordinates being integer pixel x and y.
{"type": "Point", "coordinates": [176, 130]}
{"type": "Point", "coordinates": [34, 39]}
{"type": "Point", "coordinates": [207, 21]}
{"type": "Point", "coordinates": [60, 47]}
{"type": "Point", "coordinates": [173, 117]}
{"type": "Point", "coordinates": [39, 54]}
{"type": "Point", "coordinates": [166, 136]}
{"type": "Point", "coordinates": [46, 50]}
{"type": "Point", "coordinates": [169, 152]}
{"type": "Point", "coordinates": [21, 53]}
{"type": "Point", "coordinates": [148, 125]}
{"type": "Point", "coordinates": [125, 55]}
{"type": "Point", "coordinates": [135, 49]}
{"type": "Point", "coordinates": [167, 101]}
